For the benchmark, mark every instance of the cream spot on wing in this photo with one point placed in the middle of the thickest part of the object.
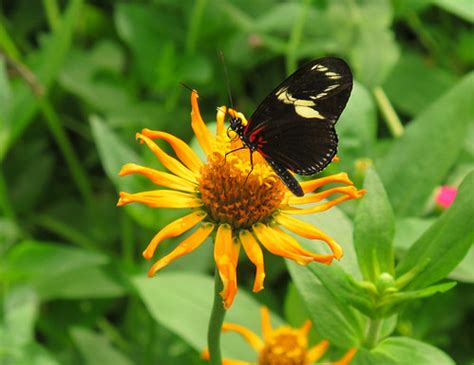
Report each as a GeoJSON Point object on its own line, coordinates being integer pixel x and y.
{"type": "Point", "coordinates": [319, 67]}
{"type": "Point", "coordinates": [287, 98]}
{"type": "Point", "coordinates": [331, 87]}
{"type": "Point", "coordinates": [320, 95]}
{"type": "Point", "coordinates": [307, 112]}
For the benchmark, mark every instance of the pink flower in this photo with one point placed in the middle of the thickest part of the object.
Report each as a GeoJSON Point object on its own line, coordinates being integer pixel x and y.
{"type": "Point", "coordinates": [445, 196]}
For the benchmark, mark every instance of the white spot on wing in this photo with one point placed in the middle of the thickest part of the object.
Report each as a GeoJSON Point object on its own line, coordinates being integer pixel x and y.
{"type": "Point", "coordinates": [331, 87]}
{"type": "Point", "coordinates": [287, 98]}
{"type": "Point", "coordinates": [319, 67]}
{"type": "Point", "coordinates": [307, 112]}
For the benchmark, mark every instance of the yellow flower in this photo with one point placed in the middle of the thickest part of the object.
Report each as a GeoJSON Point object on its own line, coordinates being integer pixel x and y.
{"type": "Point", "coordinates": [284, 345]}
{"type": "Point", "coordinates": [242, 210]}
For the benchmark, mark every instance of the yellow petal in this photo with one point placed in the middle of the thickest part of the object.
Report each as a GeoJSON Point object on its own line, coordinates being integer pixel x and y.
{"type": "Point", "coordinates": [254, 253]}
{"type": "Point", "coordinates": [347, 358]}
{"type": "Point", "coordinates": [185, 247]}
{"type": "Point", "coordinates": [200, 129]}
{"type": "Point", "coordinates": [290, 244]}
{"type": "Point", "coordinates": [182, 150]}
{"type": "Point", "coordinates": [312, 185]}
{"type": "Point", "coordinates": [273, 245]}
{"type": "Point", "coordinates": [266, 323]}
{"type": "Point", "coordinates": [306, 327]}
{"type": "Point", "coordinates": [169, 162]}
{"type": "Point", "coordinates": [174, 229]}
{"type": "Point", "coordinates": [226, 254]}
{"type": "Point", "coordinates": [317, 351]}
{"type": "Point", "coordinates": [314, 198]}
{"type": "Point", "coordinates": [161, 199]}
{"type": "Point", "coordinates": [220, 119]}
{"type": "Point", "coordinates": [308, 231]}
{"type": "Point", "coordinates": [322, 207]}
{"type": "Point", "coordinates": [159, 177]}
{"type": "Point", "coordinates": [249, 336]}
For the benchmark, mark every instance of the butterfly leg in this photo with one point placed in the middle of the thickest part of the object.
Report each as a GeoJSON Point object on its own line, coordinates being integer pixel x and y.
{"type": "Point", "coordinates": [232, 151]}
{"type": "Point", "coordinates": [251, 166]}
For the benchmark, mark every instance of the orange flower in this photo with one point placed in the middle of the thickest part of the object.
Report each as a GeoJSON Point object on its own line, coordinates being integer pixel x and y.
{"type": "Point", "coordinates": [242, 210]}
{"type": "Point", "coordinates": [284, 345]}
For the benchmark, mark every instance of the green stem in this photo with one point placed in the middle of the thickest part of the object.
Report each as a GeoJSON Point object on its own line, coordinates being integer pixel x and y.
{"type": "Point", "coordinates": [194, 24]}
{"type": "Point", "coordinates": [52, 13]}
{"type": "Point", "coordinates": [215, 324]}
{"type": "Point", "coordinates": [373, 332]}
{"type": "Point", "coordinates": [391, 118]}
{"type": "Point", "coordinates": [295, 38]}
{"type": "Point", "coordinates": [78, 173]}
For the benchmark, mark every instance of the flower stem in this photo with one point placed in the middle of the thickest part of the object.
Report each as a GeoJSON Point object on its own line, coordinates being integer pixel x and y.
{"type": "Point", "coordinates": [391, 118]}
{"type": "Point", "coordinates": [215, 324]}
{"type": "Point", "coordinates": [373, 332]}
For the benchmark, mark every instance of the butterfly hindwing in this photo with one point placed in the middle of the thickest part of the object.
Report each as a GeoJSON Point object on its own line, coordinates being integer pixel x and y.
{"type": "Point", "coordinates": [295, 122]}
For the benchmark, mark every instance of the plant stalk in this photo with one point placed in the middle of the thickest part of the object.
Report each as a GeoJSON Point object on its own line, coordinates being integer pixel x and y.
{"type": "Point", "coordinates": [215, 323]}
{"type": "Point", "coordinates": [373, 332]}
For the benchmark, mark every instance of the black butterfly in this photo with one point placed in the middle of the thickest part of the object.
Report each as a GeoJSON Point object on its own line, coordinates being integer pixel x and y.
{"type": "Point", "coordinates": [293, 128]}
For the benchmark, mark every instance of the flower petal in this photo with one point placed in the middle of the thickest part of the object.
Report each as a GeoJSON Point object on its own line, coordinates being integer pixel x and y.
{"type": "Point", "coordinates": [308, 231]}
{"type": "Point", "coordinates": [254, 253]}
{"type": "Point", "coordinates": [312, 185]}
{"type": "Point", "coordinates": [226, 254]}
{"type": "Point", "coordinates": [322, 207]}
{"type": "Point", "coordinates": [292, 245]}
{"type": "Point", "coordinates": [266, 323]}
{"type": "Point", "coordinates": [306, 327]}
{"type": "Point", "coordinates": [200, 129]}
{"type": "Point", "coordinates": [314, 198]}
{"type": "Point", "coordinates": [188, 245]}
{"type": "Point", "coordinates": [169, 162]}
{"type": "Point", "coordinates": [182, 150]}
{"type": "Point", "coordinates": [161, 199]}
{"type": "Point", "coordinates": [317, 351]}
{"type": "Point", "coordinates": [273, 245]}
{"type": "Point", "coordinates": [249, 336]}
{"type": "Point", "coordinates": [159, 177]}
{"type": "Point", "coordinates": [347, 358]}
{"type": "Point", "coordinates": [220, 119]}
{"type": "Point", "coordinates": [174, 229]}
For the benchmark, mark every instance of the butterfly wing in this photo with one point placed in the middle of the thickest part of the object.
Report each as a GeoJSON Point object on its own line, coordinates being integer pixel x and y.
{"type": "Point", "coordinates": [294, 125]}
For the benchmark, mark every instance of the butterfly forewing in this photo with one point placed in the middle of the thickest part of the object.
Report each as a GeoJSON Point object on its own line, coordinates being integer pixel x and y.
{"type": "Point", "coordinates": [295, 123]}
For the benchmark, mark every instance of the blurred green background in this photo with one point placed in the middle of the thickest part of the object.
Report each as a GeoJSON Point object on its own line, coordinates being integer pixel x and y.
{"type": "Point", "coordinates": [78, 78]}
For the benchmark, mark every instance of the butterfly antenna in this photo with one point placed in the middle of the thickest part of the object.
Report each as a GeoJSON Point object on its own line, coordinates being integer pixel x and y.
{"type": "Point", "coordinates": [221, 54]}
{"type": "Point", "coordinates": [187, 87]}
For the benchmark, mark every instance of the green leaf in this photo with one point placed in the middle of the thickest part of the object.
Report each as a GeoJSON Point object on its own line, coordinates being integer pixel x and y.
{"type": "Point", "coordinates": [421, 158]}
{"type": "Point", "coordinates": [46, 67]}
{"type": "Point", "coordinates": [445, 243]}
{"type": "Point", "coordinates": [20, 310]}
{"type": "Point", "coordinates": [182, 302]}
{"type": "Point", "coordinates": [374, 228]}
{"type": "Point", "coordinates": [461, 8]}
{"type": "Point", "coordinates": [465, 270]}
{"type": "Point", "coordinates": [357, 127]}
{"type": "Point", "coordinates": [414, 97]}
{"type": "Point", "coordinates": [372, 66]}
{"type": "Point", "coordinates": [114, 153]}
{"type": "Point", "coordinates": [96, 349]}
{"type": "Point", "coordinates": [332, 319]}
{"type": "Point", "coordinates": [404, 350]}
{"type": "Point", "coordinates": [69, 275]}
{"type": "Point", "coordinates": [393, 301]}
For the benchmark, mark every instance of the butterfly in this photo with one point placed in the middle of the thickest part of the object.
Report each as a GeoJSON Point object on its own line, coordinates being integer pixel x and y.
{"type": "Point", "coordinates": [293, 128]}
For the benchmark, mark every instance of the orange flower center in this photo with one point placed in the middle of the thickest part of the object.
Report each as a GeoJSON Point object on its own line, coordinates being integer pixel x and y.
{"type": "Point", "coordinates": [286, 346]}
{"type": "Point", "coordinates": [233, 196]}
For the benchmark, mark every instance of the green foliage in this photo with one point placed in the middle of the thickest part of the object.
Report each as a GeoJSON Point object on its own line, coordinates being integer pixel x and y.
{"type": "Point", "coordinates": [79, 78]}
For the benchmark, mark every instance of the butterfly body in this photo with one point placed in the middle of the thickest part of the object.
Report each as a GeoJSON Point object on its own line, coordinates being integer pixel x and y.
{"type": "Point", "coordinates": [294, 127]}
